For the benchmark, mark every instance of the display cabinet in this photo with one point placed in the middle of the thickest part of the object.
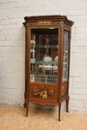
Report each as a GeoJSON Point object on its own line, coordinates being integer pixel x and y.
{"type": "Point", "coordinates": [47, 60]}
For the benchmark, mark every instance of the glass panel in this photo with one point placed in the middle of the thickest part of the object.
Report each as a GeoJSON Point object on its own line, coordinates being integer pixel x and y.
{"type": "Point", "coordinates": [44, 55]}
{"type": "Point", "coordinates": [66, 56]}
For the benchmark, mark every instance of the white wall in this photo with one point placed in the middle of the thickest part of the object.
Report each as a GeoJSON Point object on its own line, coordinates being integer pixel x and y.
{"type": "Point", "coordinates": [12, 47]}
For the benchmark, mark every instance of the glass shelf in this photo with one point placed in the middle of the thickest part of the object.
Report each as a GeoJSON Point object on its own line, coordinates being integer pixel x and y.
{"type": "Point", "coordinates": [43, 78]}
{"type": "Point", "coordinates": [44, 62]}
{"type": "Point", "coordinates": [44, 46]}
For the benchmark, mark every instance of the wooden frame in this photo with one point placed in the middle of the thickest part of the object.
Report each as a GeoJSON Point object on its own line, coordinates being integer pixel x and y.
{"type": "Point", "coordinates": [56, 92]}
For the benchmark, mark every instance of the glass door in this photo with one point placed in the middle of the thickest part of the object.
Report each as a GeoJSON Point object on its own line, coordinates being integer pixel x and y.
{"type": "Point", "coordinates": [44, 55]}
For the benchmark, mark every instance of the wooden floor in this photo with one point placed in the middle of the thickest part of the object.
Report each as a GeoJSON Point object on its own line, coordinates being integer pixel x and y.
{"type": "Point", "coordinates": [40, 118]}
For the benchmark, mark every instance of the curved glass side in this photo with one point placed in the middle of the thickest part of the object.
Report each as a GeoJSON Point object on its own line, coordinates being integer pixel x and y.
{"type": "Point", "coordinates": [66, 51]}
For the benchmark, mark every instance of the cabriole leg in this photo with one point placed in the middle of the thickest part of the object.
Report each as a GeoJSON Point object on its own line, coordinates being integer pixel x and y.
{"type": "Point", "coordinates": [59, 112]}
{"type": "Point", "coordinates": [67, 103]}
{"type": "Point", "coordinates": [26, 107]}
